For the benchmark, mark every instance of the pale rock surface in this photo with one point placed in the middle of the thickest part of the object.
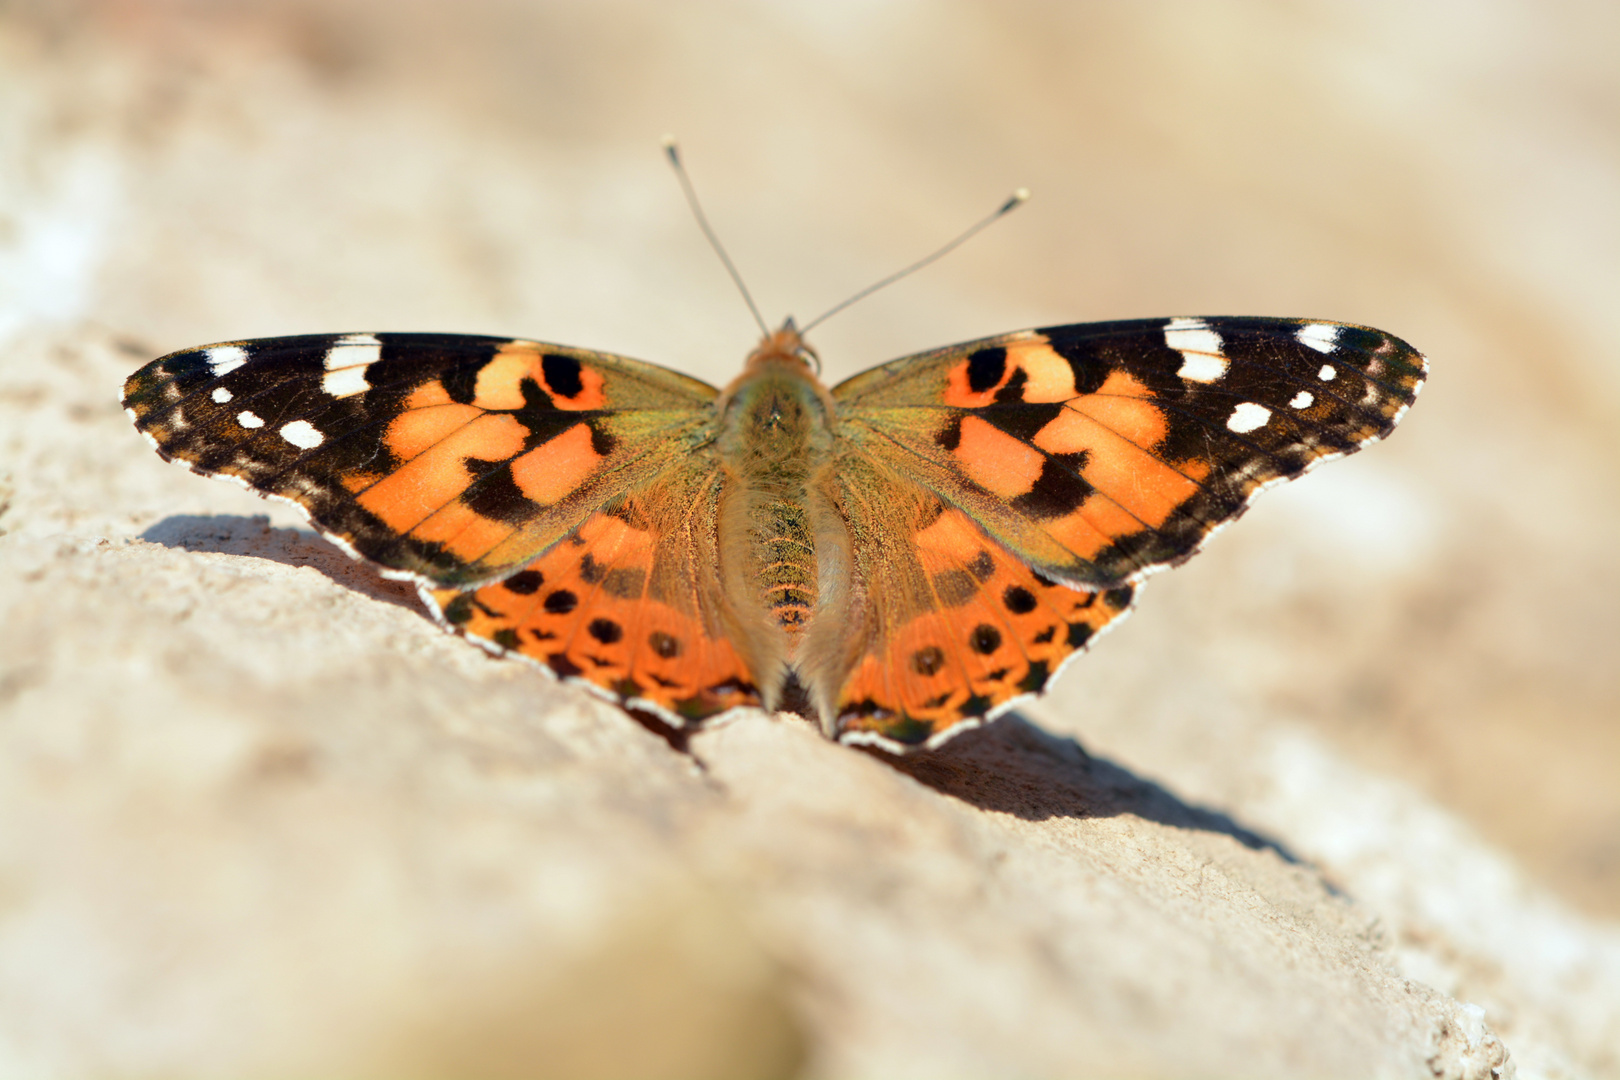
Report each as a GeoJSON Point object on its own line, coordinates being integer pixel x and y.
{"type": "Point", "coordinates": [1335, 803]}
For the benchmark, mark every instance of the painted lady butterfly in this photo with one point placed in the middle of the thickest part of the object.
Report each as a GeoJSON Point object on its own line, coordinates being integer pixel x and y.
{"type": "Point", "coordinates": [913, 550]}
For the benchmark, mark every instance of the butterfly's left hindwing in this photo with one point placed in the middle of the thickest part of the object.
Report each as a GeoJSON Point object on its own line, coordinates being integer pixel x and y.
{"type": "Point", "coordinates": [454, 459]}
{"type": "Point", "coordinates": [630, 603]}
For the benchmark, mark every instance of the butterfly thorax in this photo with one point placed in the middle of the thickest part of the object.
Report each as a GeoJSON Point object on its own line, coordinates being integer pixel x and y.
{"type": "Point", "coordinates": [775, 437]}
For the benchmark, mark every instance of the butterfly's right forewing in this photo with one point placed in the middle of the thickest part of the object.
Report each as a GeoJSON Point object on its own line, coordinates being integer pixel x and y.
{"type": "Point", "coordinates": [1101, 452]}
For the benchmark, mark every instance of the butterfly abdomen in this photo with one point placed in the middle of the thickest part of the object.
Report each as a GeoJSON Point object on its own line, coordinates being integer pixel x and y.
{"type": "Point", "coordinates": [774, 438]}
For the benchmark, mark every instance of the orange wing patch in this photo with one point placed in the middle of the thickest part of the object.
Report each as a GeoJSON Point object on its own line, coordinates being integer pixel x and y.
{"type": "Point", "coordinates": [997, 632]}
{"type": "Point", "coordinates": [556, 467]}
{"type": "Point", "coordinates": [585, 609]}
{"type": "Point", "coordinates": [1040, 374]}
{"type": "Point", "coordinates": [1112, 433]}
{"type": "Point", "coordinates": [569, 385]}
{"type": "Point", "coordinates": [435, 445]}
{"type": "Point", "coordinates": [995, 460]}
{"type": "Point", "coordinates": [1109, 434]}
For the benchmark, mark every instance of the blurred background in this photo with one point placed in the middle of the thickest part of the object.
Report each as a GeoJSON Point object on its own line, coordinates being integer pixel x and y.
{"type": "Point", "coordinates": [1444, 610]}
{"type": "Point", "coordinates": [1447, 607]}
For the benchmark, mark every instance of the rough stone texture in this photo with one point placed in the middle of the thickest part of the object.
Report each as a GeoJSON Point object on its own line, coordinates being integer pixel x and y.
{"type": "Point", "coordinates": [1343, 799]}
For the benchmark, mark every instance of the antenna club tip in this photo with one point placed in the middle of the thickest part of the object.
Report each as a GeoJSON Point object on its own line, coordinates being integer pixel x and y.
{"type": "Point", "coordinates": [1014, 201]}
{"type": "Point", "coordinates": [671, 147]}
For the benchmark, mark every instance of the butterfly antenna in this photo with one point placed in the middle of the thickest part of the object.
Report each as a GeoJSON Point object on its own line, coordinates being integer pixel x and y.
{"type": "Point", "coordinates": [1014, 201]}
{"type": "Point", "coordinates": [673, 152]}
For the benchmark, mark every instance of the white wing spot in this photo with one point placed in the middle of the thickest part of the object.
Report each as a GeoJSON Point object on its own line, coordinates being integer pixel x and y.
{"type": "Point", "coordinates": [1200, 349]}
{"type": "Point", "coordinates": [302, 434]}
{"type": "Point", "coordinates": [1248, 417]}
{"type": "Point", "coordinates": [223, 358]}
{"type": "Point", "coordinates": [1302, 400]}
{"type": "Point", "coordinates": [1323, 337]}
{"type": "Point", "coordinates": [352, 349]}
{"type": "Point", "coordinates": [221, 395]}
{"type": "Point", "coordinates": [248, 419]}
{"type": "Point", "coordinates": [1328, 373]}
{"type": "Point", "coordinates": [346, 363]}
{"type": "Point", "coordinates": [345, 382]}
{"type": "Point", "coordinates": [1201, 367]}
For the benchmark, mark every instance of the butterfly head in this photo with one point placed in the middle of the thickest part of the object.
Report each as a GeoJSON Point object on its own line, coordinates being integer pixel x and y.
{"type": "Point", "coordinates": [785, 346]}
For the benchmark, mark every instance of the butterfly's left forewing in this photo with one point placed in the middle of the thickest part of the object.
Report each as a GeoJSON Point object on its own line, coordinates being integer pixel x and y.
{"type": "Point", "coordinates": [1084, 456]}
{"type": "Point", "coordinates": [449, 458]}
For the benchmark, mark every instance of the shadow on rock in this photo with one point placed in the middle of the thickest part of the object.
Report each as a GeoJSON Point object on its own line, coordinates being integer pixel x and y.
{"type": "Point", "coordinates": [1015, 767]}
{"type": "Point", "coordinates": [1011, 765]}
{"type": "Point", "coordinates": [230, 534]}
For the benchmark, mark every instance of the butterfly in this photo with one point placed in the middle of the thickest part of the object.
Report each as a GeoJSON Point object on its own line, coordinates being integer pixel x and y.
{"type": "Point", "coordinates": [907, 553]}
